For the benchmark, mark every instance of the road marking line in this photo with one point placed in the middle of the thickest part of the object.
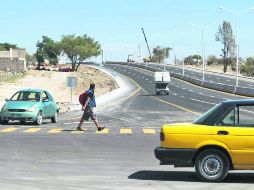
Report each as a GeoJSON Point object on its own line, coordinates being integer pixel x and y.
{"type": "Point", "coordinates": [75, 118]}
{"type": "Point", "coordinates": [78, 132]}
{"type": "Point", "coordinates": [32, 130]}
{"type": "Point", "coordinates": [149, 131]}
{"type": "Point", "coordinates": [180, 107]}
{"type": "Point", "coordinates": [76, 122]}
{"type": "Point", "coordinates": [55, 130]}
{"type": "Point", "coordinates": [125, 131]}
{"type": "Point", "coordinates": [10, 129]}
{"type": "Point", "coordinates": [104, 131]}
{"type": "Point", "coordinates": [202, 101]}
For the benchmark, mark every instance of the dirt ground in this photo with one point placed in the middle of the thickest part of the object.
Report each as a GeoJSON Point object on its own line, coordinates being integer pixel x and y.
{"type": "Point", "coordinates": [56, 83]}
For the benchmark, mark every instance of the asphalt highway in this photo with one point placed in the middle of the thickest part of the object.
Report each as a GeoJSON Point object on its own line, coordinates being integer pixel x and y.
{"type": "Point", "coordinates": [55, 156]}
{"type": "Point", "coordinates": [209, 76]}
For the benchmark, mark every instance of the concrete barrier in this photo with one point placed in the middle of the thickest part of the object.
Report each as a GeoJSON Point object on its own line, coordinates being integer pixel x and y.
{"type": "Point", "coordinates": [219, 87]}
{"type": "Point", "coordinates": [245, 91]}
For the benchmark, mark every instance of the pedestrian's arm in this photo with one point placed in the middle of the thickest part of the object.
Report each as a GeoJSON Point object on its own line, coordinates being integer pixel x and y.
{"type": "Point", "coordinates": [87, 100]}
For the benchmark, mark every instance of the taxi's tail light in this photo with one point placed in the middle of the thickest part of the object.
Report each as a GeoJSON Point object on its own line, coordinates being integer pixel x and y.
{"type": "Point", "coordinates": [162, 136]}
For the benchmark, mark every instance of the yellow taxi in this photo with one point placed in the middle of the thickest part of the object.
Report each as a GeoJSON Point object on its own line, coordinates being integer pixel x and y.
{"type": "Point", "coordinates": [220, 140]}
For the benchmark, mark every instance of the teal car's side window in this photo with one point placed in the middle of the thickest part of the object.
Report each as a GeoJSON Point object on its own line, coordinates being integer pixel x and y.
{"type": "Point", "coordinates": [45, 96]}
{"type": "Point", "coordinates": [50, 97]}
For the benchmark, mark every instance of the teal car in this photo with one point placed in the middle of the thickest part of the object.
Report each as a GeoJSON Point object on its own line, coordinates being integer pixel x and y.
{"type": "Point", "coordinates": [30, 105]}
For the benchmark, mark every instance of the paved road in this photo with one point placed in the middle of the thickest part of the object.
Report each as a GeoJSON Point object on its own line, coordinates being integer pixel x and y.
{"type": "Point", "coordinates": [54, 156]}
{"type": "Point", "coordinates": [210, 77]}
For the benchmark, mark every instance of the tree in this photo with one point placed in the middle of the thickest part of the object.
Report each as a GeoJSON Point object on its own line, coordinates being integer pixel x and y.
{"type": "Point", "coordinates": [159, 54]}
{"type": "Point", "coordinates": [52, 50]}
{"type": "Point", "coordinates": [248, 67]}
{"type": "Point", "coordinates": [40, 54]}
{"type": "Point", "coordinates": [30, 59]}
{"type": "Point", "coordinates": [7, 46]}
{"type": "Point", "coordinates": [189, 60]}
{"type": "Point", "coordinates": [197, 58]}
{"type": "Point", "coordinates": [79, 48]}
{"type": "Point", "coordinates": [192, 59]}
{"type": "Point", "coordinates": [212, 59]}
{"type": "Point", "coordinates": [225, 36]}
{"type": "Point", "coordinates": [47, 49]}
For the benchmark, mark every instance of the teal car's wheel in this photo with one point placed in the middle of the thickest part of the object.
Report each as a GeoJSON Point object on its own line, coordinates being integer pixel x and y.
{"type": "Point", "coordinates": [55, 118]}
{"type": "Point", "coordinates": [39, 118]}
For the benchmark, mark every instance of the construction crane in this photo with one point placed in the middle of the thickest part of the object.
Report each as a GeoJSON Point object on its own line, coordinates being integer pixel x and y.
{"type": "Point", "coordinates": [150, 55]}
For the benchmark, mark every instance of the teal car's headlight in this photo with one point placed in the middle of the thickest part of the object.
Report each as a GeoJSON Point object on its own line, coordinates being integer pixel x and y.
{"type": "Point", "coordinates": [32, 109]}
{"type": "Point", "coordinates": [4, 109]}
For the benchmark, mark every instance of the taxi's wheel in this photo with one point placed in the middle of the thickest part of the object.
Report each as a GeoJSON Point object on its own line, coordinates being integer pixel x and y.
{"type": "Point", "coordinates": [39, 118]}
{"type": "Point", "coordinates": [212, 165]}
{"type": "Point", "coordinates": [55, 118]}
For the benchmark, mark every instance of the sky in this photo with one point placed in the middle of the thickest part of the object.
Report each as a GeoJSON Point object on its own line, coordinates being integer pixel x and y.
{"type": "Point", "coordinates": [117, 24]}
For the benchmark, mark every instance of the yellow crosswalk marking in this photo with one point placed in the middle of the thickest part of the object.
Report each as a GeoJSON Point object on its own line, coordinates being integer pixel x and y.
{"type": "Point", "coordinates": [10, 129]}
{"type": "Point", "coordinates": [55, 130]}
{"type": "Point", "coordinates": [78, 132]}
{"type": "Point", "coordinates": [32, 130]}
{"type": "Point", "coordinates": [104, 131]}
{"type": "Point", "coordinates": [149, 131]}
{"type": "Point", "coordinates": [125, 131]}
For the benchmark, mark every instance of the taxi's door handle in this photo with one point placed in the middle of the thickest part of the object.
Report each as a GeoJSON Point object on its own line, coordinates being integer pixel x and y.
{"type": "Point", "coordinates": [222, 132]}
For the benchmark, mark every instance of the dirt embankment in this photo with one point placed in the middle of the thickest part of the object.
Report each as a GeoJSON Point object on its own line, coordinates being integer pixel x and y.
{"type": "Point", "coordinates": [56, 83]}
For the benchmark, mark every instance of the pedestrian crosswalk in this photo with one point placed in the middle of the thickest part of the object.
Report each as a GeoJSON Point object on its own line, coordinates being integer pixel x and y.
{"type": "Point", "coordinates": [121, 131]}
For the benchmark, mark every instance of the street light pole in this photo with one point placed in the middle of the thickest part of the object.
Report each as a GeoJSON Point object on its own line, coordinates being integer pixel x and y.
{"type": "Point", "coordinates": [237, 56]}
{"type": "Point", "coordinates": [203, 55]}
{"type": "Point", "coordinates": [183, 38]}
{"type": "Point", "coordinates": [203, 46]}
{"type": "Point", "coordinates": [237, 14]}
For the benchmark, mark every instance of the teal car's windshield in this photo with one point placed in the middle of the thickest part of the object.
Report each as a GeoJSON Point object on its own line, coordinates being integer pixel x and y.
{"type": "Point", "coordinates": [26, 96]}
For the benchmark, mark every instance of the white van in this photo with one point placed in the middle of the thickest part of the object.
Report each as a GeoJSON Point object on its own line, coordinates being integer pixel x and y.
{"type": "Point", "coordinates": [162, 80]}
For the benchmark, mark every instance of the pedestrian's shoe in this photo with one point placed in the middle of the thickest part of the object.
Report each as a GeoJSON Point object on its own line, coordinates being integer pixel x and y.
{"type": "Point", "coordinates": [79, 129]}
{"type": "Point", "coordinates": [101, 128]}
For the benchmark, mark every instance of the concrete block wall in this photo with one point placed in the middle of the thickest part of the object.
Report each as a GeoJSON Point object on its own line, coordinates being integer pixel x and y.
{"type": "Point", "coordinates": [13, 60]}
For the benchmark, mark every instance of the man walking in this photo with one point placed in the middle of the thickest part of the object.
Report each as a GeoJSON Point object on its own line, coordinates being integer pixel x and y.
{"type": "Point", "coordinates": [88, 109]}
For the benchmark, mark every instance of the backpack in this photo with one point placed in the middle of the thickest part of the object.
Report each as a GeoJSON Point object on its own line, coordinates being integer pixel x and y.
{"type": "Point", "coordinates": [82, 98]}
